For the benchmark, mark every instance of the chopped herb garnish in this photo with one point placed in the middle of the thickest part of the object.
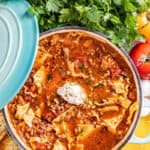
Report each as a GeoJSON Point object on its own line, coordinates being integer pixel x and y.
{"type": "Point", "coordinates": [49, 77]}
{"type": "Point", "coordinates": [82, 133]}
{"type": "Point", "coordinates": [99, 85]}
{"type": "Point", "coordinates": [70, 94]}
{"type": "Point", "coordinates": [72, 109]}
{"type": "Point", "coordinates": [88, 82]}
{"type": "Point", "coordinates": [62, 68]}
{"type": "Point", "coordinates": [101, 70]}
{"type": "Point", "coordinates": [62, 117]}
{"type": "Point", "coordinates": [90, 73]}
{"type": "Point", "coordinates": [82, 67]}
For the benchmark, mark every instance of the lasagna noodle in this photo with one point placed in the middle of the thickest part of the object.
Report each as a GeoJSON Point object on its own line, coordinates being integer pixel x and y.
{"type": "Point", "coordinates": [59, 146]}
{"type": "Point", "coordinates": [71, 110]}
{"type": "Point", "coordinates": [71, 65]}
{"type": "Point", "coordinates": [69, 131]}
{"type": "Point", "coordinates": [41, 57]}
{"type": "Point", "coordinates": [85, 131]}
{"type": "Point", "coordinates": [26, 113]}
{"type": "Point", "coordinates": [40, 78]}
{"type": "Point", "coordinates": [109, 108]}
{"type": "Point", "coordinates": [64, 128]}
{"type": "Point", "coordinates": [121, 85]}
{"type": "Point", "coordinates": [113, 122]}
{"type": "Point", "coordinates": [120, 100]}
{"type": "Point", "coordinates": [73, 73]}
{"type": "Point", "coordinates": [132, 109]}
{"type": "Point", "coordinates": [76, 146]}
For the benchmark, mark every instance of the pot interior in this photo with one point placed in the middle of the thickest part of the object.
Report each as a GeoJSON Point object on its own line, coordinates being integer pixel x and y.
{"type": "Point", "coordinates": [119, 53]}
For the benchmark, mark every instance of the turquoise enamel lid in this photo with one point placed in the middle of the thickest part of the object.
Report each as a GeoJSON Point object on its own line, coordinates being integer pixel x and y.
{"type": "Point", "coordinates": [18, 44]}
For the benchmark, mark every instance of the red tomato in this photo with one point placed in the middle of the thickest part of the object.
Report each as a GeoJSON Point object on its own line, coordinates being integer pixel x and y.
{"type": "Point", "coordinates": [140, 55]}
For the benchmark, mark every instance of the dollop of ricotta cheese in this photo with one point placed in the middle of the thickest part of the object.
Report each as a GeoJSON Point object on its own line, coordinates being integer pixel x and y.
{"type": "Point", "coordinates": [72, 92]}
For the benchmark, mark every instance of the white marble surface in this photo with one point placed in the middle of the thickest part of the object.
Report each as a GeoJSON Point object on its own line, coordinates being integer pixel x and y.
{"type": "Point", "coordinates": [146, 97]}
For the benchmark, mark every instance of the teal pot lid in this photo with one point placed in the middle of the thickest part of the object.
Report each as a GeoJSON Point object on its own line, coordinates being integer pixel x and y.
{"type": "Point", "coordinates": [18, 45]}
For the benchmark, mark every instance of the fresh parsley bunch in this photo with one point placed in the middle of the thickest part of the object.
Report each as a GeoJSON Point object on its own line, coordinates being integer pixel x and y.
{"type": "Point", "coordinates": [114, 18]}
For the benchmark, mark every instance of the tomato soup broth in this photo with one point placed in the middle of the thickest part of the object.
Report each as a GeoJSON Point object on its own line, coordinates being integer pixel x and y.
{"type": "Point", "coordinates": [80, 95]}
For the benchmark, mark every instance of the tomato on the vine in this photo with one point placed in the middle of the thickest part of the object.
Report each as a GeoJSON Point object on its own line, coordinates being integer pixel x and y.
{"type": "Point", "coordinates": [140, 55]}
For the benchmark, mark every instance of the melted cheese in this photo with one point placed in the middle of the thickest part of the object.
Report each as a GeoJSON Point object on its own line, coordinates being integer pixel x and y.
{"type": "Point", "coordinates": [72, 93]}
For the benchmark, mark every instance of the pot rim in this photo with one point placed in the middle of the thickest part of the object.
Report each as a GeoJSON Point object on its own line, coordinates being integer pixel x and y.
{"type": "Point", "coordinates": [126, 58]}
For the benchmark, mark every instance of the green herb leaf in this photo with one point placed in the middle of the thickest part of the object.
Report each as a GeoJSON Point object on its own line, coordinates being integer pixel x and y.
{"type": "Point", "coordinates": [82, 67]}
{"type": "Point", "coordinates": [114, 18]}
{"type": "Point", "coordinates": [49, 77]}
{"type": "Point", "coordinates": [99, 85]}
{"type": "Point", "coordinates": [54, 5]}
{"type": "Point", "coordinates": [101, 70]}
{"type": "Point", "coordinates": [82, 133]}
{"type": "Point", "coordinates": [62, 117]}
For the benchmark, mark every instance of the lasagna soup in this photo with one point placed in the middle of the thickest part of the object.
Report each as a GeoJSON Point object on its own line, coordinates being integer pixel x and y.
{"type": "Point", "coordinates": [80, 95]}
